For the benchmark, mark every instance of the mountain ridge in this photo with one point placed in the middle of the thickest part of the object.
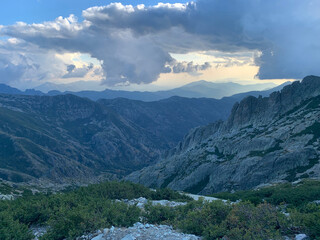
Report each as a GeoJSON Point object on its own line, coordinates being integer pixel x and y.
{"type": "Point", "coordinates": [92, 138]}
{"type": "Point", "coordinates": [68, 137]}
{"type": "Point", "coordinates": [265, 140]}
{"type": "Point", "coordinates": [192, 90]}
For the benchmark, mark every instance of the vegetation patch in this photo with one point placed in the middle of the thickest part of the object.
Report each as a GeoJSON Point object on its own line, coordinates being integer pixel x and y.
{"type": "Point", "coordinates": [6, 188]}
{"type": "Point", "coordinates": [314, 129]}
{"type": "Point", "coordinates": [300, 169]}
{"type": "Point", "coordinates": [198, 186]}
{"type": "Point", "coordinates": [168, 180]}
{"type": "Point", "coordinates": [265, 152]}
{"type": "Point", "coordinates": [246, 127]}
{"type": "Point", "coordinates": [217, 220]}
{"type": "Point", "coordinates": [295, 195]}
{"type": "Point", "coordinates": [72, 213]}
{"type": "Point", "coordinates": [6, 146]}
{"type": "Point", "coordinates": [218, 153]}
{"type": "Point", "coordinates": [314, 103]}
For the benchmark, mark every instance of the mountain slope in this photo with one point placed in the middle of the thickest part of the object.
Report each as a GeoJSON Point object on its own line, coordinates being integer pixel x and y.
{"type": "Point", "coordinates": [172, 118]}
{"type": "Point", "coordinates": [264, 140]}
{"type": "Point", "coordinates": [66, 137]}
{"type": "Point", "coordinates": [9, 90]}
{"type": "Point", "coordinates": [5, 89]}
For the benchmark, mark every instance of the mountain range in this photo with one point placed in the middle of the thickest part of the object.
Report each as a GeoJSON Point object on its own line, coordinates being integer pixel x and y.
{"type": "Point", "coordinates": [198, 89]}
{"type": "Point", "coordinates": [265, 140]}
{"type": "Point", "coordinates": [67, 137]}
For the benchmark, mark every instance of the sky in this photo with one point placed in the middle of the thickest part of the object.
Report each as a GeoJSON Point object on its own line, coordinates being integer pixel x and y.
{"type": "Point", "coordinates": [145, 45]}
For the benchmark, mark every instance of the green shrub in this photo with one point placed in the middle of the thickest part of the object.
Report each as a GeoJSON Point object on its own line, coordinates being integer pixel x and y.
{"type": "Point", "coordinates": [79, 211]}
{"type": "Point", "coordinates": [12, 229]}
{"type": "Point", "coordinates": [159, 214]}
{"type": "Point", "coordinates": [168, 194]}
{"type": "Point", "coordinates": [295, 195]}
{"type": "Point", "coordinates": [198, 220]}
{"type": "Point", "coordinates": [307, 219]}
{"type": "Point", "coordinates": [246, 221]}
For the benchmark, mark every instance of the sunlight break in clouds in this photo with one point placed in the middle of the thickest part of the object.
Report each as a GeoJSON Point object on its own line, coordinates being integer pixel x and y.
{"type": "Point", "coordinates": [136, 44]}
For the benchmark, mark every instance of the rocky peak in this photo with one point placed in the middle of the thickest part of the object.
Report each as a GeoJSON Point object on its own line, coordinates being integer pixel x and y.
{"type": "Point", "coordinates": [252, 110]}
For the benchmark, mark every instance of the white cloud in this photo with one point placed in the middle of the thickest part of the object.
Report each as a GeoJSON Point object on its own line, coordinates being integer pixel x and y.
{"type": "Point", "coordinates": [133, 42]}
{"type": "Point", "coordinates": [22, 61]}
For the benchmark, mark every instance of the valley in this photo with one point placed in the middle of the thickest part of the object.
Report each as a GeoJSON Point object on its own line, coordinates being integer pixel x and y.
{"type": "Point", "coordinates": [68, 138]}
{"type": "Point", "coordinates": [258, 157]}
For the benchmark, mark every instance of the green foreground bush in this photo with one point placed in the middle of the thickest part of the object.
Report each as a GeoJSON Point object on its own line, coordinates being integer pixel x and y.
{"type": "Point", "coordinates": [217, 220]}
{"type": "Point", "coordinates": [76, 212]}
{"type": "Point", "coordinates": [295, 195]}
{"type": "Point", "coordinates": [73, 213]}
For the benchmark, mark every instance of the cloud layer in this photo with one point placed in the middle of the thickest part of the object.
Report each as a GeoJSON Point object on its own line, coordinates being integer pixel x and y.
{"type": "Point", "coordinates": [134, 43]}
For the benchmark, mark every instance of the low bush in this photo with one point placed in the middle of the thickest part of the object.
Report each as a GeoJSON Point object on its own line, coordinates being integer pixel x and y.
{"type": "Point", "coordinates": [293, 194]}
{"type": "Point", "coordinates": [76, 212]}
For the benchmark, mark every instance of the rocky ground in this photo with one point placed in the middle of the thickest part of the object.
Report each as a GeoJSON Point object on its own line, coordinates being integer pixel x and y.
{"type": "Point", "coordinates": [141, 202]}
{"type": "Point", "coordinates": [138, 231]}
{"type": "Point", "coordinates": [6, 197]}
{"type": "Point", "coordinates": [141, 231]}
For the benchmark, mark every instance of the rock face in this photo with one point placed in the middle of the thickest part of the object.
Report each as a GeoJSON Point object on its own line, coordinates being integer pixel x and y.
{"type": "Point", "coordinates": [6, 197]}
{"type": "Point", "coordinates": [265, 140]}
{"type": "Point", "coordinates": [68, 138]}
{"type": "Point", "coordinates": [141, 202]}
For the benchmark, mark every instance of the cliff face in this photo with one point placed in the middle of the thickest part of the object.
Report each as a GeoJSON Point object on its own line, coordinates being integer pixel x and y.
{"type": "Point", "coordinates": [265, 140]}
{"type": "Point", "coordinates": [252, 110]}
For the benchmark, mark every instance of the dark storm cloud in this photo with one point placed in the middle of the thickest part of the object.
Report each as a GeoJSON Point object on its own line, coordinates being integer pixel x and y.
{"type": "Point", "coordinates": [133, 43]}
{"type": "Point", "coordinates": [190, 67]}
{"type": "Point", "coordinates": [74, 72]}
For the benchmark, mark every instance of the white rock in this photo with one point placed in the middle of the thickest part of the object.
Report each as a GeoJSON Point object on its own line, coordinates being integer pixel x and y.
{"type": "Point", "coordinates": [6, 197]}
{"type": "Point", "coordinates": [147, 231]}
{"type": "Point", "coordinates": [38, 231]}
{"type": "Point", "coordinates": [99, 237]}
{"type": "Point", "coordinates": [140, 205]}
{"type": "Point", "coordinates": [129, 237]}
{"type": "Point", "coordinates": [105, 231]}
{"type": "Point", "coordinates": [301, 237]}
{"type": "Point", "coordinates": [138, 225]}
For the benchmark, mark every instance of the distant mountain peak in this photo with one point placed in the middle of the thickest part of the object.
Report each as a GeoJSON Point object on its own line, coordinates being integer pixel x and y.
{"type": "Point", "coordinates": [197, 89]}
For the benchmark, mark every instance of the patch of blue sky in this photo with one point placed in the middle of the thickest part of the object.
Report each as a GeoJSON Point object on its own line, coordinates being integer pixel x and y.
{"type": "Point", "coordinates": [37, 11]}
{"type": "Point", "coordinates": [88, 59]}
